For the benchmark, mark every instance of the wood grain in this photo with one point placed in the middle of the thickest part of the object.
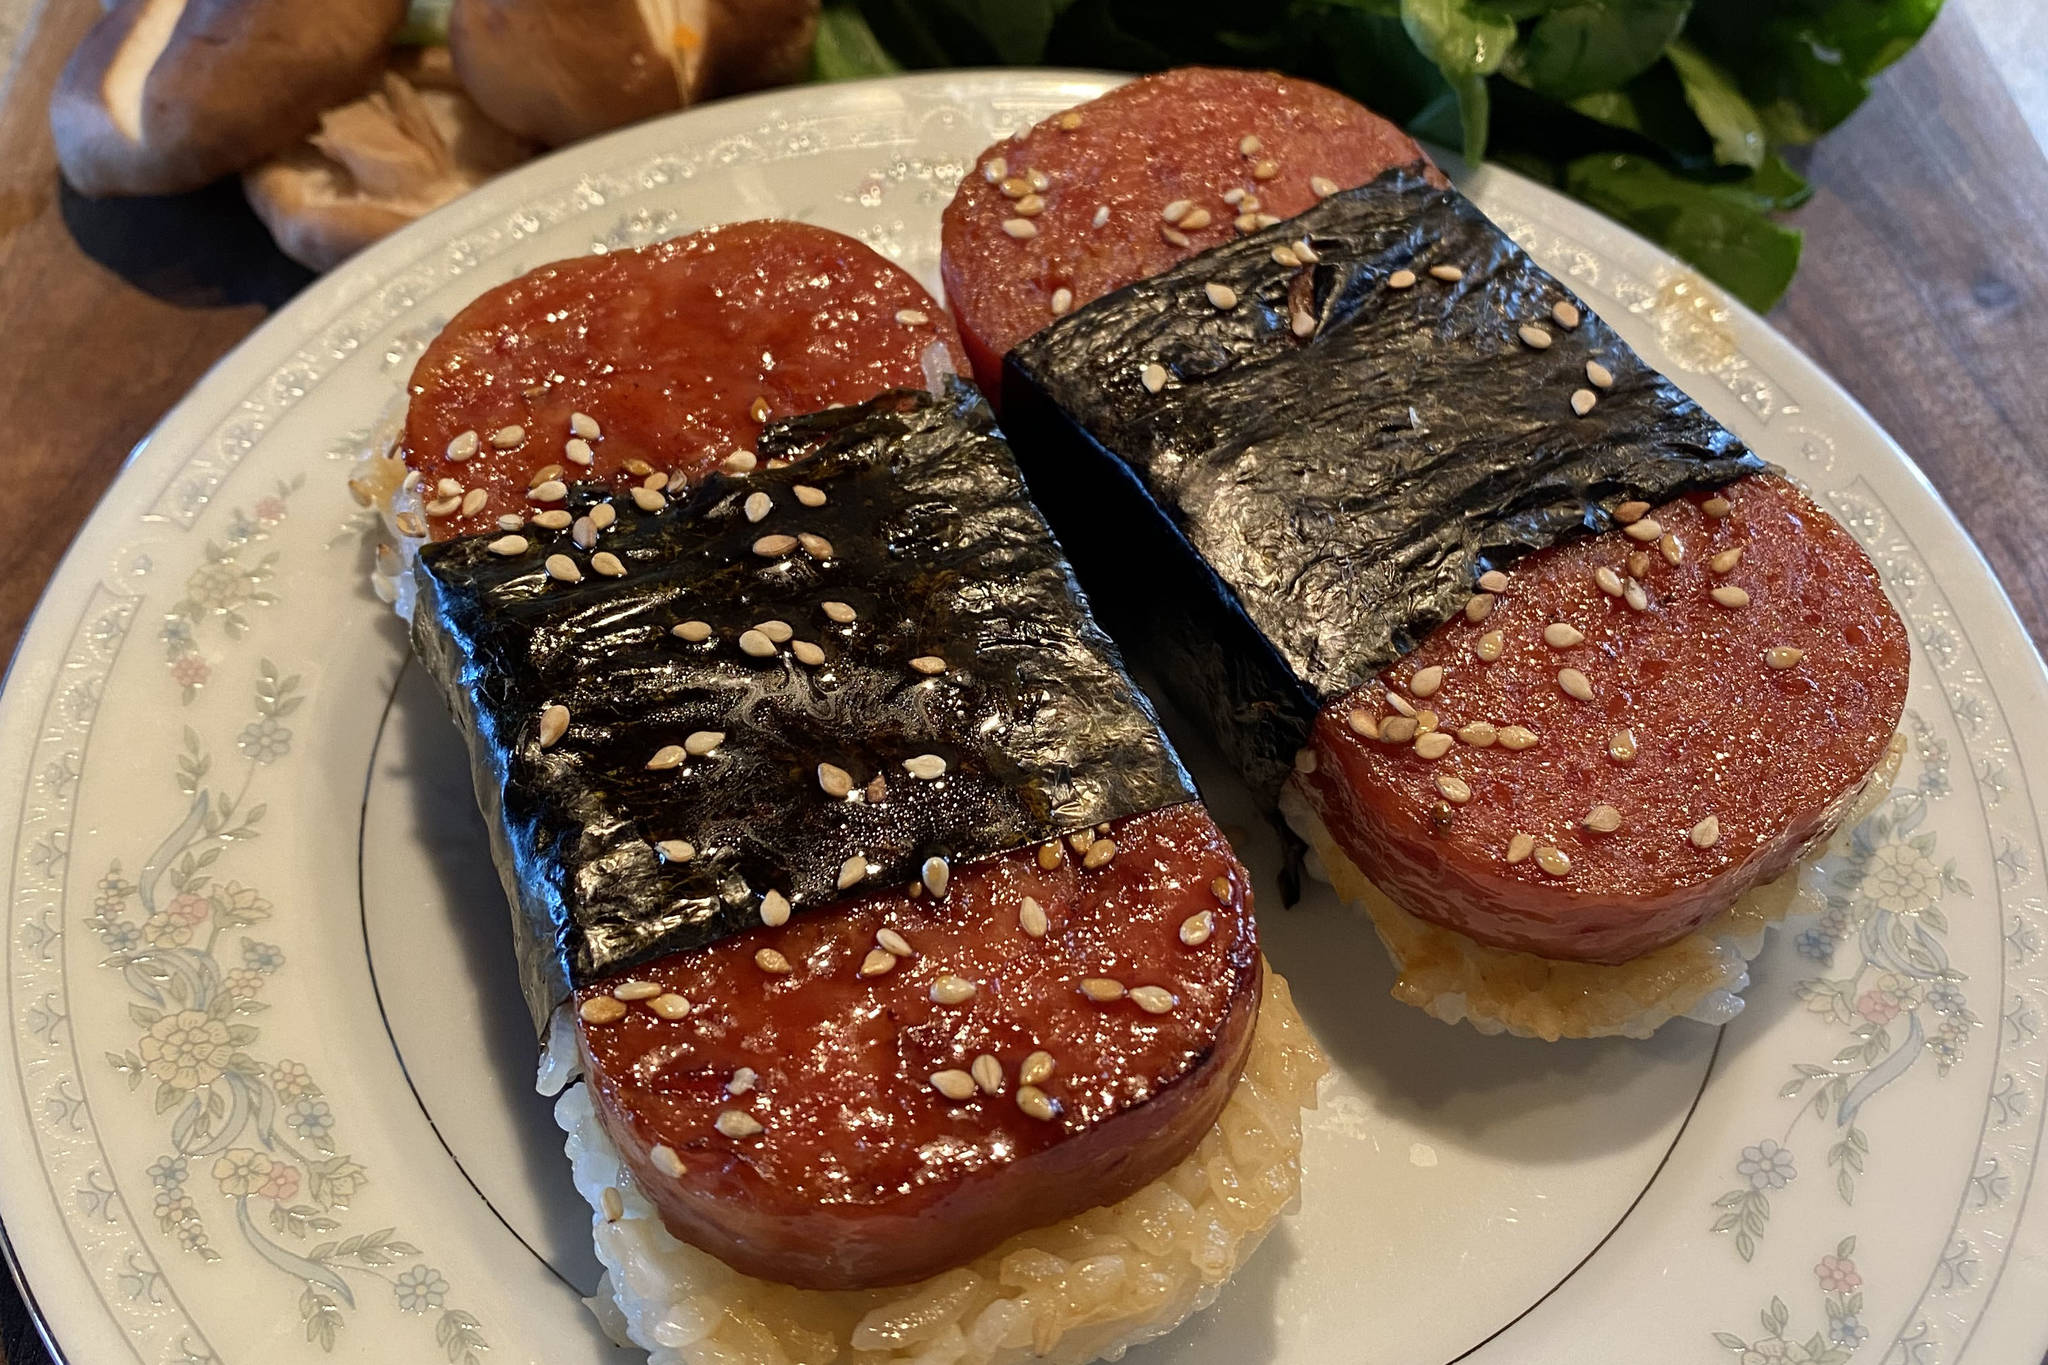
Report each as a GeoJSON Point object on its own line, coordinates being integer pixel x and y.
{"type": "Point", "coordinates": [1923, 292]}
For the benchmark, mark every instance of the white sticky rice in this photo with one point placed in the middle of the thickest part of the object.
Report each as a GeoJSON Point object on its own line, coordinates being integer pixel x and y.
{"type": "Point", "coordinates": [1084, 1289]}
{"type": "Point", "coordinates": [1497, 990]}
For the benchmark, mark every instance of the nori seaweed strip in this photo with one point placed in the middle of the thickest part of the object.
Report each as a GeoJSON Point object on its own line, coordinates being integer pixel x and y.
{"type": "Point", "coordinates": [939, 550]}
{"type": "Point", "coordinates": [1287, 516]}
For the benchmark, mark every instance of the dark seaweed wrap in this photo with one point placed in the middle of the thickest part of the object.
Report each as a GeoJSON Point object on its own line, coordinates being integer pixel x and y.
{"type": "Point", "coordinates": [1288, 515]}
{"type": "Point", "coordinates": [938, 549]}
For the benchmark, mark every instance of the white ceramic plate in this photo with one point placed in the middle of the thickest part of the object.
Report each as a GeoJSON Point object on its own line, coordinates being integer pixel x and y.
{"type": "Point", "coordinates": [212, 744]}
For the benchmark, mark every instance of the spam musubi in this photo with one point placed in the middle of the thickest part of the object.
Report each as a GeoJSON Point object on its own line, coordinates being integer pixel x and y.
{"type": "Point", "coordinates": [1551, 671]}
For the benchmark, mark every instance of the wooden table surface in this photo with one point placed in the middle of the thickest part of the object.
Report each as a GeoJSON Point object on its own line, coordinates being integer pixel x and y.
{"type": "Point", "coordinates": [1924, 291]}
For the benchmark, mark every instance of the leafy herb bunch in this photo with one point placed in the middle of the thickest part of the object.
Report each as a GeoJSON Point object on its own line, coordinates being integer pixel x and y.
{"type": "Point", "coordinates": [1672, 116]}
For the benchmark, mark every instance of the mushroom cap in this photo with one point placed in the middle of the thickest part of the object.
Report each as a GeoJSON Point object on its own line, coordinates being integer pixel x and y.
{"type": "Point", "coordinates": [235, 81]}
{"type": "Point", "coordinates": [560, 70]}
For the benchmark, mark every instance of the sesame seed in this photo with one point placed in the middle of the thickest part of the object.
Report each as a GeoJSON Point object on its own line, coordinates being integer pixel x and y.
{"type": "Point", "coordinates": [1037, 1103]}
{"type": "Point", "coordinates": [1583, 401]}
{"type": "Point", "coordinates": [409, 524]}
{"type": "Point", "coordinates": [925, 766]}
{"type": "Point", "coordinates": [1049, 855]}
{"type": "Point", "coordinates": [584, 533]}
{"type": "Point", "coordinates": [1516, 737]}
{"type": "Point", "coordinates": [1553, 861]}
{"type": "Point", "coordinates": [1062, 300]}
{"type": "Point", "coordinates": [948, 989]}
{"type": "Point", "coordinates": [1602, 820]}
{"type": "Point", "coordinates": [772, 962]}
{"type": "Point", "coordinates": [1575, 684]}
{"type": "Point", "coordinates": [735, 1124]}
{"type": "Point", "coordinates": [877, 962]}
{"type": "Point", "coordinates": [1306, 252]}
{"type": "Point", "coordinates": [676, 850]}
{"type": "Point", "coordinates": [635, 990]}
{"type": "Point", "coordinates": [473, 501]}
{"type": "Point", "coordinates": [1249, 145]}
{"type": "Point", "coordinates": [742, 1081]}
{"type": "Point", "coordinates": [1609, 581]}
{"type": "Point", "coordinates": [462, 447]}
{"type": "Point", "coordinates": [1068, 121]}
{"type": "Point", "coordinates": [563, 569]}
{"type": "Point", "coordinates": [1726, 561]}
{"type": "Point", "coordinates": [614, 1204]}
{"type": "Point", "coordinates": [584, 426]}
{"type": "Point", "coordinates": [911, 317]}
{"type": "Point", "coordinates": [1175, 236]}
{"type": "Point", "coordinates": [647, 500]}
{"type": "Point", "coordinates": [1221, 889]}
{"type": "Point", "coordinates": [1304, 760]}
{"type": "Point", "coordinates": [1323, 186]}
{"type": "Point", "coordinates": [1221, 295]}
{"type": "Point", "coordinates": [1098, 855]}
{"type": "Point", "coordinates": [554, 723]}
{"type": "Point", "coordinates": [1783, 656]}
{"type": "Point", "coordinates": [1728, 595]}
{"type": "Point", "coordinates": [554, 519]}
{"type": "Point", "coordinates": [696, 632]}
{"type": "Point", "coordinates": [1101, 989]}
{"type": "Point", "coordinates": [1304, 323]}
{"type": "Point", "coordinates": [1265, 170]}
{"type": "Point", "coordinates": [1031, 918]}
{"type": "Point", "coordinates": [1621, 746]}
{"type": "Point", "coordinates": [1022, 229]}
{"type": "Point", "coordinates": [1401, 279]}
{"type": "Point", "coordinates": [988, 1074]}
{"type": "Point", "coordinates": [1480, 734]}
{"type": "Point", "coordinates": [1636, 596]}
{"type": "Point", "coordinates": [815, 545]}
{"type": "Point", "coordinates": [1565, 314]}
{"type": "Point", "coordinates": [739, 462]}
{"type": "Point", "coordinates": [807, 653]}
{"type": "Point", "coordinates": [1450, 274]}
{"type": "Point", "coordinates": [1534, 337]}
{"type": "Point", "coordinates": [1563, 635]}
{"type": "Point", "coordinates": [852, 870]}
{"type": "Point", "coordinates": [1153, 999]}
{"type": "Point", "coordinates": [1426, 681]}
{"type": "Point", "coordinates": [576, 450]}
{"type": "Point", "coordinates": [757, 506]}
{"type": "Point", "coordinates": [1433, 745]}
{"type": "Point", "coordinates": [1398, 729]}
{"type": "Point", "coordinates": [1598, 375]}
{"type": "Point", "coordinates": [931, 665]}
{"type": "Point", "coordinates": [758, 409]}
{"type": "Point", "coordinates": [1493, 580]}
{"type": "Point", "coordinates": [1037, 1067]}
{"type": "Point", "coordinates": [1101, 215]}
{"type": "Point", "coordinates": [1706, 833]}
{"type": "Point", "coordinates": [603, 515]}
{"type": "Point", "coordinates": [997, 169]}
{"type": "Point", "coordinates": [443, 507]}
{"type": "Point", "coordinates": [601, 1009]}
{"type": "Point", "coordinates": [670, 1006]}
{"type": "Point", "coordinates": [665, 1161]}
{"type": "Point", "coordinates": [1038, 180]}
{"type": "Point", "coordinates": [774, 547]}
{"type": "Point", "coordinates": [1364, 723]}
{"type": "Point", "coordinates": [1284, 255]}
{"type": "Point", "coordinates": [511, 521]}
{"type": "Point", "coordinates": [1628, 513]}
{"type": "Point", "coordinates": [1520, 847]}
{"type": "Point", "coordinates": [608, 564]}
{"type": "Point", "coordinates": [838, 611]}
{"type": "Point", "coordinates": [702, 742]}
{"type": "Point", "coordinates": [1672, 548]}
{"type": "Point", "coordinates": [1488, 647]}
{"type": "Point", "coordinates": [509, 546]}
{"type": "Point", "coordinates": [1176, 210]}
{"type": "Point", "coordinates": [754, 643]}
{"type": "Point", "coordinates": [636, 466]}
{"type": "Point", "coordinates": [1644, 529]}
{"type": "Point", "coordinates": [935, 875]}
{"type": "Point", "coordinates": [778, 632]}
{"type": "Point", "coordinates": [667, 756]}
{"type": "Point", "coordinates": [1478, 607]}
{"type": "Point", "coordinates": [1717, 507]}
{"type": "Point", "coordinates": [504, 438]}
{"type": "Point", "coordinates": [954, 1084]}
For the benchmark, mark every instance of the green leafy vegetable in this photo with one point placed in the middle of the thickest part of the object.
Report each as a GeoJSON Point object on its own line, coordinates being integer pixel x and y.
{"type": "Point", "coordinates": [1669, 115]}
{"type": "Point", "coordinates": [1721, 228]}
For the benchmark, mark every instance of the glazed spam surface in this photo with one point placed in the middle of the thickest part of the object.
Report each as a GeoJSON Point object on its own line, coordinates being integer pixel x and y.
{"type": "Point", "coordinates": [1728, 707]}
{"type": "Point", "coordinates": [836, 1159]}
{"type": "Point", "coordinates": [1228, 150]}
{"type": "Point", "coordinates": [676, 355]}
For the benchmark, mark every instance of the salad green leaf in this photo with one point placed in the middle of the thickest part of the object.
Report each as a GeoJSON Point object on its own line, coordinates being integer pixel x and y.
{"type": "Point", "coordinates": [1670, 115]}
